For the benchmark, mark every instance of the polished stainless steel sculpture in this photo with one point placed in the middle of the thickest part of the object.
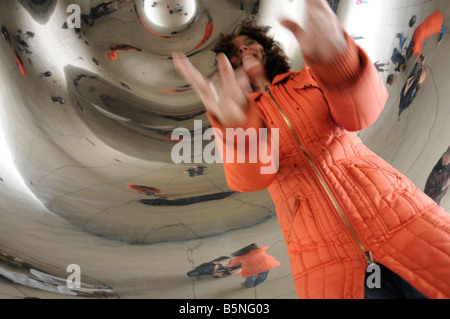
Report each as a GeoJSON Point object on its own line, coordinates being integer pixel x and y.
{"type": "Point", "coordinates": [90, 101]}
{"type": "Point", "coordinates": [95, 99]}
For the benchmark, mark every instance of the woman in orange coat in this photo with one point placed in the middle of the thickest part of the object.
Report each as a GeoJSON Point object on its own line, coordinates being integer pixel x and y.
{"type": "Point", "coordinates": [255, 264]}
{"type": "Point", "coordinates": [433, 24]}
{"type": "Point", "coordinates": [342, 209]}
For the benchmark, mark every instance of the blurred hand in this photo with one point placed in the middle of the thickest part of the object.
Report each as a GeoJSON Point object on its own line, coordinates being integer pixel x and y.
{"type": "Point", "coordinates": [323, 37]}
{"type": "Point", "coordinates": [226, 99]}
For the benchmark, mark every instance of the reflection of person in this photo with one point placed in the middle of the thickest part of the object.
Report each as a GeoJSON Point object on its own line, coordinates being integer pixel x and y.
{"type": "Point", "coordinates": [5, 34]}
{"type": "Point", "coordinates": [112, 52]}
{"type": "Point", "coordinates": [29, 34]}
{"type": "Point", "coordinates": [19, 62]}
{"type": "Point", "coordinates": [380, 66]}
{"type": "Point", "coordinates": [46, 74]}
{"type": "Point", "coordinates": [97, 12]}
{"type": "Point", "coordinates": [439, 179]}
{"type": "Point", "coordinates": [412, 85]}
{"type": "Point", "coordinates": [398, 60]}
{"type": "Point", "coordinates": [146, 190]}
{"type": "Point", "coordinates": [255, 264]}
{"type": "Point", "coordinates": [401, 39]}
{"type": "Point", "coordinates": [433, 24]}
{"type": "Point", "coordinates": [58, 99]}
{"type": "Point", "coordinates": [196, 170]}
{"type": "Point", "coordinates": [341, 208]}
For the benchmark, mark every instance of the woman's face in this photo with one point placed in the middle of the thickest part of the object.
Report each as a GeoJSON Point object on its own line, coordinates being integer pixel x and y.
{"type": "Point", "coordinates": [246, 49]}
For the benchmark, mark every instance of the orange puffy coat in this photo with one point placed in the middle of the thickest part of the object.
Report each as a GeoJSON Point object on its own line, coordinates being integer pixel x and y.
{"type": "Point", "coordinates": [254, 262]}
{"type": "Point", "coordinates": [338, 203]}
{"type": "Point", "coordinates": [431, 25]}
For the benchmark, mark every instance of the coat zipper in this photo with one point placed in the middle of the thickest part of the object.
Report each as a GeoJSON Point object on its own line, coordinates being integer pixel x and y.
{"type": "Point", "coordinates": [367, 254]}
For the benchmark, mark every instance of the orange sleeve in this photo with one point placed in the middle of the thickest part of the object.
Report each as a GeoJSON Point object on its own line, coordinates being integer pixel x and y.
{"type": "Point", "coordinates": [352, 86]}
{"type": "Point", "coordinates": [245, 169]}
{"type": "Point", "coordinates": [234, 262]}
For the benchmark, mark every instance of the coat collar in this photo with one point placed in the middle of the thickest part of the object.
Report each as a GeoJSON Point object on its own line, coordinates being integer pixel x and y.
{"type": "Point", "coordinates": [281, 78]}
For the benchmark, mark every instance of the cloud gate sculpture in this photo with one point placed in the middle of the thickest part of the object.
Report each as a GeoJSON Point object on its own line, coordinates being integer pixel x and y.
{"type": "Point", "coordinates": [90, 101]}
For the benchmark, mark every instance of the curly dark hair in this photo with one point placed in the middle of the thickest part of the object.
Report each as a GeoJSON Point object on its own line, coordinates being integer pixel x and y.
{"type": "Point", "coordinates": [244, 250]}
{"type": "Point", "coordinates": [276, 60]}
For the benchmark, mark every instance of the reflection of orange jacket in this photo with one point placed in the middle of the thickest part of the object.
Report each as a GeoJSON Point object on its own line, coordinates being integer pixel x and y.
{"type": "Point", "coordinates": [255, 262]}
{"type": "Point", "coordinates": [431, 25]}
{"type": "Point", "coordinates": [334, 198]}
{"type": "Point", "coordinates": [19, 63]}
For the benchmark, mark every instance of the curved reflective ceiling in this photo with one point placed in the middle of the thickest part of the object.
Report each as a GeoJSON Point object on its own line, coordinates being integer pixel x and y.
{"type": "Point", "coordinates": [88, 112]}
